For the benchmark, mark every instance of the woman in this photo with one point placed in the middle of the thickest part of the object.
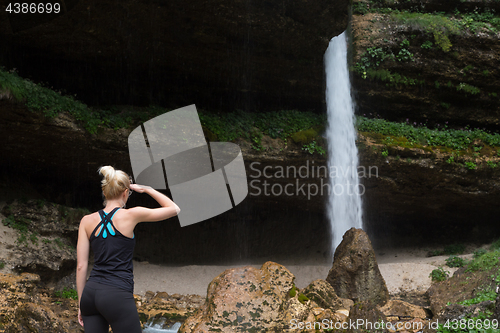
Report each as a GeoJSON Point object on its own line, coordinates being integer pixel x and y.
{"type": "Point", "coordinates": [107, 297]}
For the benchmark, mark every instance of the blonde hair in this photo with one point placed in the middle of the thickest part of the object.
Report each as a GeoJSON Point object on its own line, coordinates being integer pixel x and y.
{"type": "Point", "coordinates": [114, 182]}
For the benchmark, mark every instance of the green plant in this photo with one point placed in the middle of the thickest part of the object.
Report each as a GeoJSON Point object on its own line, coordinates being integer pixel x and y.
{"type": "Point", "coordinates": [451, 138]}
{"type": "Point", "coordinates": [482, 295]}
{"type": "Point", "coordinates": [454, 261]}
{"type": "Point", "coordinates": [439, 274]}
{"type": "Point", "coordinates": [22, 239]}
{"type": "Point", "coordinates": [371, 59]}
{"type": "Point", "coordinates": [59, 242]}
{"type": "Point", "coordinates": [313, 147]}
{"type": "Point", "coordinates": [67, 293]}
{"type": "Point", "coordinates": [404, 54]}
{"type": "Point", "coordinates": [20, 224]}
{"type": "Point", "coordinates": [360, 8]}
{"type": "Point", "coordinates": [468, 88]}
{"type": "Point", "coordinates": [492, 164]}
{"type": "Point", "coordinates": [437, 24]}
{"type": "Point", "coordinates": [278, 124]}
{"type": "Point", "coordinates": [427, 45]}
{"type": "Point", "coordinates": [34, 238]}
{"type": "Point", "coordinates": [2, 264]}
{"type": "Point", "coordinates": [484, 262]}
{"type": "Point", "coordinates": [471, 165]}
{"type": "Point", "coordinates": [479, 252]}
{"type": "Point", "coordinates": [392, 79]}
{"type": "Point", "coordinates": [495, 245]}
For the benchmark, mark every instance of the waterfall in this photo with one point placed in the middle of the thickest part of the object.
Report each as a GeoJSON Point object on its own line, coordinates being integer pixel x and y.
{"type": "Point", "coordinates": [344, 203]}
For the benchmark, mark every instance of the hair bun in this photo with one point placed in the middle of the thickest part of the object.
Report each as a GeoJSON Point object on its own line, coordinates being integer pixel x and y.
{"type": "Point", "coordinates": [109, 174]}
{"type": "Point", "coordinates": [114, 182]}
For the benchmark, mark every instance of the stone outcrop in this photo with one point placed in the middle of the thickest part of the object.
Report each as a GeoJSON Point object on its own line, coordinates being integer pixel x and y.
{"type": "Point", "coordinates": [355, 273]}
{"type": "Point", "coordinates": [263, 300]}
{"type": "Point", "coordinates": [163, 310]}
{"type": "Point", "coordinates": [229, 54]}
{"type": "Point", "coordinates": [25, 308]}
{"type": "Point", "coordinates": [366, 314]}
{"type": "Point", "coordinates": [324, 295]}
{"type": "Point", "coordinates": [401, 309]}
{"type": "Point", "coordinates": [40, 237]}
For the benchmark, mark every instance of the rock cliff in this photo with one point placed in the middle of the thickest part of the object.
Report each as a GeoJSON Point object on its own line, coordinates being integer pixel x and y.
{"type": "Point", "coordinates": [228, 54]}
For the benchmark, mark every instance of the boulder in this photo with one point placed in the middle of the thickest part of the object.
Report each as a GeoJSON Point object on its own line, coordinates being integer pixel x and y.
{"type": "Point", "coordinates": [365, 314]}
{"type": "Point", "coordinates": [403, 310]}
{"type": "Point", "coordinates": [355, 273]}
{"type": "Point", "coordinates": [247, 299]}
{"type": "Point", "coordinates": [324, 295]}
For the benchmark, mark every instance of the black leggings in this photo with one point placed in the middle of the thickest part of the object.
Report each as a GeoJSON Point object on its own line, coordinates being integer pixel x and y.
{"type": "Point", "coordinates": [104, 305]}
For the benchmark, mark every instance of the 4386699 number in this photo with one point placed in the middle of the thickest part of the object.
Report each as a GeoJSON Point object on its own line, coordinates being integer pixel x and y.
{"type": "Point", "coordinates": [471, 324]}
{"type": "Point", "coordinates": [33, 8]}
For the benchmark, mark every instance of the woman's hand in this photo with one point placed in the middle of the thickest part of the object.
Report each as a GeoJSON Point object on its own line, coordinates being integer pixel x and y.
{"type": "Point", "coordinates": [80, 319]}
{"type": "Point", "coordinates": [139, 188]}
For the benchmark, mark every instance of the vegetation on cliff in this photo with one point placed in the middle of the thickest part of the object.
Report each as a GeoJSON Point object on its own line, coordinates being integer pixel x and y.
{"type": "Point", "coordinates": [428, 61]}
{"type": "Point", "coordinates": [302, 128]}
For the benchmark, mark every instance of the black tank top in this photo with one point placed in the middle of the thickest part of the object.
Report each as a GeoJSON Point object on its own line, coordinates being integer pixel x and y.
{"type": "Point", "coordinates": [113, 254]}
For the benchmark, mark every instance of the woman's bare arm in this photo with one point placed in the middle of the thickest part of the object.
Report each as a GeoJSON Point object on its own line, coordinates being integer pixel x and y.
{"type": "Point", "coordinates": [167, 210]}
{"type": "Point", "coordinates": [82, 261]}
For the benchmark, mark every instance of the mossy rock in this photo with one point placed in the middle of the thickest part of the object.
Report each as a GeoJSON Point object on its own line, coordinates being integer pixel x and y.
{"type": "Point", "coordinates": [305, 136]}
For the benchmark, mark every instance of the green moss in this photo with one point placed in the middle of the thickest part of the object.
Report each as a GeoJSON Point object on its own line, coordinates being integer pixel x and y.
{"type": "Point", "coordinates": [303, 298]}
{"type": "Point", "coordinates": [293, 291]}
{"type": "Point", "coordinates": [305, 136]}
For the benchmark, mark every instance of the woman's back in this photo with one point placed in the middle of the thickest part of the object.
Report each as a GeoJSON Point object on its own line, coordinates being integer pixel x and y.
{"type": "Point", "coordinates": [113, 253]}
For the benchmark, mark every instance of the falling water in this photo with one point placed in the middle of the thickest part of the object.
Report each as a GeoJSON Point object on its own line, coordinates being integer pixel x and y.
{"type": "Point", "coordinates": [344, 204]}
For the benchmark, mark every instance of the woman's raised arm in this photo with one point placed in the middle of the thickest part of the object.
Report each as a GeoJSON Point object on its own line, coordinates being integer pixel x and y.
{"type": "Point", "coordinates": [167, 210]}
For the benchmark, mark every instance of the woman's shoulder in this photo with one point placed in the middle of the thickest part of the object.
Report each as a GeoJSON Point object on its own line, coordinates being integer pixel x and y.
{"type": "Point", "coordinates": [89, 218]}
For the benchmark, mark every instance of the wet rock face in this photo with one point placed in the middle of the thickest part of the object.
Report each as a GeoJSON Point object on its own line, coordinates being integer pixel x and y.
{"type": "Point", "coordinates": [229, 54]}
{"type": "Point", "coordinates": [354, 273]}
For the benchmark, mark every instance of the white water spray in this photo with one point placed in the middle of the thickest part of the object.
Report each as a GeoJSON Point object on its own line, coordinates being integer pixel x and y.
{"type": "Point", "coordinates": [344, 203]}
